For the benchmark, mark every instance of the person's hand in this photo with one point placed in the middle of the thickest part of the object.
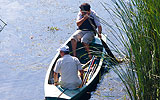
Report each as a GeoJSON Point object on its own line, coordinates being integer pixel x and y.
{"type": "Point", "coordinates": [86, 16]}
{"type": "Point", "coordinates": [56, 83]}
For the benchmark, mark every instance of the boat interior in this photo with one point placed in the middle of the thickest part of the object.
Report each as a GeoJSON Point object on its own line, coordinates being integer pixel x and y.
{"type": "Point", "coordinates": [96, 49]}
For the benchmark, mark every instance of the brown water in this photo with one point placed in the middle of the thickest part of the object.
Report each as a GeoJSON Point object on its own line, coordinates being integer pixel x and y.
{"type": "Point", "coordinates": [35, 30]}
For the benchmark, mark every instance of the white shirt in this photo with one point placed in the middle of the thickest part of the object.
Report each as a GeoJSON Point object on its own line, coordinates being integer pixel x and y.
{"type": "Point", "coordinates": [68, 67]}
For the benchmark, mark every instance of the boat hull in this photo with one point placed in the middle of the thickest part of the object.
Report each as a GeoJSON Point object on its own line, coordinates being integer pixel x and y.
{"type": "Point", "coordinates": [53, 92]}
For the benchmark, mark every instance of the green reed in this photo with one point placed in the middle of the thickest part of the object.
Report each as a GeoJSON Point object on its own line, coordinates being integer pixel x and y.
{"type": "Point", "coordinates": [139, 21]}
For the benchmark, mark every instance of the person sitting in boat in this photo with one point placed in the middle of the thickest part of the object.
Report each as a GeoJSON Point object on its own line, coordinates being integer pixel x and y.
{"type": "Point", "coordinates": [68, 66]}
{"type": "Point", "coordinates": [86, 19]}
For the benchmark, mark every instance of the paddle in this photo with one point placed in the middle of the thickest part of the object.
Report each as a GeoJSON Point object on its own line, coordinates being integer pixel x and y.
{"type": "Point", "coordinates": [103, 43]}
{"type": "Point", "coordinates": [108, 50]}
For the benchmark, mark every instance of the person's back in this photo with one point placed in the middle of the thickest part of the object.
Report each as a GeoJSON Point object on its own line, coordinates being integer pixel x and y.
{"type": "Point", "coordinates": [68, 67]}
{"type": "Point", "coordinates": [69, 72]}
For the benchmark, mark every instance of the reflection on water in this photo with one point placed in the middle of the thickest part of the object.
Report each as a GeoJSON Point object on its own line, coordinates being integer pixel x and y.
{"type": "Point", "coordinates": [110, 88]}
{"type": "Point", "coordinates": [28, 43]}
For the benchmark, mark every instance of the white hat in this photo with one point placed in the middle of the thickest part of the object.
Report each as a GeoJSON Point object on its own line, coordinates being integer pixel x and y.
{"type": "Point", "coordinates": [63, 48]}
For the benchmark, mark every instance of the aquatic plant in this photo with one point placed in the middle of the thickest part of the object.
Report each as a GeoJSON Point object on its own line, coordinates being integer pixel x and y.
{"type": "Point", "coordinates": [139, 21]}
{"type": "Point", "coordinates": [53, 29]}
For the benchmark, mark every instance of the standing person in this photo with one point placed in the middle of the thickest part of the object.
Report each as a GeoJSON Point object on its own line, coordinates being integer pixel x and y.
{"type": "Point", "coordinates": [85, 32]}
{"type": "Point", "coordinates": [68, 67]}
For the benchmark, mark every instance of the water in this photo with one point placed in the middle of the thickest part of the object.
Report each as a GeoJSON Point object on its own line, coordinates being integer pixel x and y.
{"type": "Point", "coordinates": [29, 42]}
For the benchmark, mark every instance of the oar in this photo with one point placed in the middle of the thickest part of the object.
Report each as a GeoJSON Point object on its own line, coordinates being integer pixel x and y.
{"type": "Point", "coordinates": [87, 73]}
{"type": "Point", "coordinates": [93, 70]}
{"type": "Point", "coordinates": [103, 43]}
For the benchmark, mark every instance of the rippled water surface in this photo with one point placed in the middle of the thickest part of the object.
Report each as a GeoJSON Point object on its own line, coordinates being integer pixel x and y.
{"type": "Point", "coordinates": [35, 30]}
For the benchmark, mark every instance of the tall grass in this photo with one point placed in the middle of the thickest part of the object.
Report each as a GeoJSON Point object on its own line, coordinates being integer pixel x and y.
{"type": "Point", "coordinates": [140, 22]}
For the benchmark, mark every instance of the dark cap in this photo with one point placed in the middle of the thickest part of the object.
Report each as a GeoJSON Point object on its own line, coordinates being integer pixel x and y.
{"type": "Point", "coordinates": [85, 7]}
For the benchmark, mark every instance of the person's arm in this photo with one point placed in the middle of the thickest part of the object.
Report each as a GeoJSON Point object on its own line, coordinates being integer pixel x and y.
{"type": "Point", "coordinates": [81, 74]}
{"type": "Point", "coordinates": [79, 69]}
{"type": "Point", "coordinates": [55, 78]}
{"type": "Point", "coordinates": [79, 22]}
{"type": "Point", "coordinates": [56, 70]}
{"type": "Point", "coordinates": [99, 31]}
{"type": "Point", "coordinates": [97, 22]}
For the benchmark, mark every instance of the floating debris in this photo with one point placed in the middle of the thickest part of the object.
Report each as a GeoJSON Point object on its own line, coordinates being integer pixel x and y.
{"type": "Point", "coordinates": [53, 29]}
{"type": "Point", "coordinates": [2, 25]}
{"type": "Point", "coordinates": [31, 37]}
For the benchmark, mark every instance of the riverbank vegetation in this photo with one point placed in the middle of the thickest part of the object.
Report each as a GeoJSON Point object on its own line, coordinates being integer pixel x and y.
{"type": "Point", "coordinates": [139, 21]}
